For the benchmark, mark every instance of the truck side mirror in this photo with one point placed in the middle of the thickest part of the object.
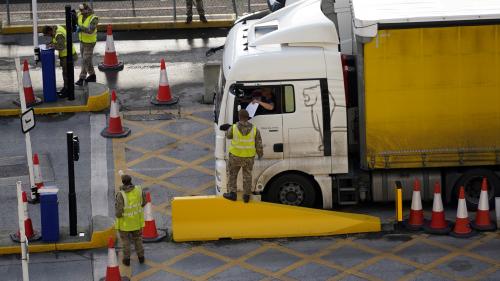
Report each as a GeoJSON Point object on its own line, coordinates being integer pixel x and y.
{"type": "Point", "coordinates": [224, 127]}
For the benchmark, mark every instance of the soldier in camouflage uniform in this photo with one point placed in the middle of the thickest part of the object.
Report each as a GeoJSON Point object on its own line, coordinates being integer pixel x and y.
{"type": "Point", "coordinates": [87, 33]}
{"type": "Point", "coordinates": [129, 204]}
{"type": "Point", "coordinates": [199, 7]}
{"type": "Point", "coordinates": [246, 142]}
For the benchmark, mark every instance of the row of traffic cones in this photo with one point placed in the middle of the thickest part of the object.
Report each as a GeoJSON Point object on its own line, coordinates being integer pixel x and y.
{"type": "Point", "coordinates": [438, 223]}
{"type": "Point", "coordinates": [163, 97]}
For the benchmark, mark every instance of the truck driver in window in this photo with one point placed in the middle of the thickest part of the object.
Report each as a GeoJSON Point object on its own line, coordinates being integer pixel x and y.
{"type": "Point", "coordinates": [265, 98]}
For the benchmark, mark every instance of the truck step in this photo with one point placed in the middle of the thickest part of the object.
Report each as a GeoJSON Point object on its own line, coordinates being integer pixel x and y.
{"type": "Point", "coordinates": [343, 203]}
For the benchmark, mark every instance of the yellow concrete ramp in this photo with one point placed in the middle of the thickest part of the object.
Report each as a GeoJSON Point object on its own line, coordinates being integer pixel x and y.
{"type": "Point", "coordinates": [201, 218]}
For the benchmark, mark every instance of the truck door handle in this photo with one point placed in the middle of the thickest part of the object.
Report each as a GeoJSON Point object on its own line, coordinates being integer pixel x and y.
{"type": "Point", "coordinates": [278, 147]}
{"type": "Point", "coordinates": [273, 130]}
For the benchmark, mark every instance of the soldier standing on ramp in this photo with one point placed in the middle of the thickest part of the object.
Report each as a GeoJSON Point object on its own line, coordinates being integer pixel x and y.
{"type": "Point", "coordinates": [245, 143]}
{"type": "Point", "coordinates": [87, 33]}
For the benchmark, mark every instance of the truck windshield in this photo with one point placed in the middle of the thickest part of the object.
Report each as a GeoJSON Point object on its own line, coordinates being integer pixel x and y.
{"type": "Point", "coordinates": [219, 94]}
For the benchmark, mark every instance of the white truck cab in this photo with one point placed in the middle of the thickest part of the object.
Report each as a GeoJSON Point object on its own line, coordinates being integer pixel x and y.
{"type": "Point", "coordinates": [298, 59]}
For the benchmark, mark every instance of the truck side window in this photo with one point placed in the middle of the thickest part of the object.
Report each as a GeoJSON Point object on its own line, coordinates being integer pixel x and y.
{"type": "Point", "coordinates": [288, 99]}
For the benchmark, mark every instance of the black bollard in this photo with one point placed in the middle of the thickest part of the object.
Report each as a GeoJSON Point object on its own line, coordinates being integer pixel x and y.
{"type": "Point", "coordinates": [69, 57]}
{"type": "Point", "coordinates": [73, 150]}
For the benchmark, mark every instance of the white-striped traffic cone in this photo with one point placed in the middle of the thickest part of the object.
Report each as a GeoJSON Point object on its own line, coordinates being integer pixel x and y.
{"type": "Point", "coordinates": [29, 96]}
{"type": "Point", "coordinates": [149, 232]}
{"type": "Point", "coordinates": [164, 95]}
{"type": "Point", "coordinates": [113, 269]}
{"type": "Point", "coordinates": [483, 220]}
{"type": "Point", "coordinates": [115, 128]}
{"type": "Point", "coordinates": [110, 62]}
{"type": "Point", "coordinates": [37, 172]}
{"type": "Point", "coordinates": [462, 224]}
{"type": "Point", "coordinates": [438, 223]}
{"type": "Point", "coordinates": [30, 233]}
{"type": "Point", "coordinates": [416, 219]}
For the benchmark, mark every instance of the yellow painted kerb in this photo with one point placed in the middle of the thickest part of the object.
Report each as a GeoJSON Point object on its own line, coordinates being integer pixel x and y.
{"type": "Point", "coordinates": [99, 240]}
{"type": "Point", "coordinates": [200, 218]}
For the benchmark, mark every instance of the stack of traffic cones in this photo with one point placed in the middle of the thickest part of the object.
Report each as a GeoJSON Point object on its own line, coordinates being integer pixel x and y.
{"type": "Point", "coordinates": [110, 62]}
{"type": "Point", "coordinates": [115, 128]}
{"type": "Point", "coordinates": [29, 96]}
{"type": "Point", "coordinates": [113, 270]}
{"type": "Point", "coordinates": [483, 221]}
{"type": "Point", "coordinates": [416, 219]}
{"type": "Point", "coordinates": [438, 223]}
{"type": "Point", "coordinates": [164, 95]}
{"type": "Point", "coordinates": [462, 225]}
{"type": "Point", "coordinates": [150, 233]}
{"type": "Point", "coordinates": [31, 234]}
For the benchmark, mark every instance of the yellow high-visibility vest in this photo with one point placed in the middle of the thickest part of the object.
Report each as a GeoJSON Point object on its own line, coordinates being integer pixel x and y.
{"type": "Point", "coordinates": [85, 37]}
{"type": "Point", "coordinates": [133, 215]}
{"type": "Point", "coordinates": [243, 146]}
{"type": "Point", "coordinates": [60, 30]}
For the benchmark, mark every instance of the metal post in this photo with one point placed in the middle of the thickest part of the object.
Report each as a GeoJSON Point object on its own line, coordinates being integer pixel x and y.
{"type": "Point", "coordinates": [22, 233]}
{"type": "Point", "coordinates": [29, 153]}
{"type": "Point", "coordinates": [249, 9]}
{"type": "Point", "coordinates": [91, 4]}
{"type": "Point", "coordinates": [34, 16]}
{"type": "Point", "coordinates": [399, 205]}
{"type": "Point", "coordinates": [235, 9]}
{"type": "Point", "coordinates": [8, 12]}
{"type": "Point", "coordinates": [133, 8]}
{"type": "Point", "coordinates": [175, 10]}
{"type": "Point", "coordinates": [71, 184]}
{"type": "Point", "coordinates": [69, 57]}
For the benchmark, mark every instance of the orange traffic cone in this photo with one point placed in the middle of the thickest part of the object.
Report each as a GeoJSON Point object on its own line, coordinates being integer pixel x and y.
{"type": "Point", "coordinates": [113, 270]}
{"type": "Point", "coordinates": [462, 225]}
{"type": "Point", "coordinates": [115, 128]}
{"type": "Point", "coordinates": [416, 219]}
{"type": "Point", "coordinates": [149, 232]}
{"type": "Point", "coordinates": [110, 62]}
{"type": "Point", "coordinates": [483, 221]}
{"type": "Point", "coordinates": [31, 234]}
{"type": "Point", "coordinates": [164, 96]}
{"type": "Point", "coordinates": [37, 172]}
{"type": "Point", "coordinates": [438, 223]}
{"type": "Point", "coordinates": [29, 96]}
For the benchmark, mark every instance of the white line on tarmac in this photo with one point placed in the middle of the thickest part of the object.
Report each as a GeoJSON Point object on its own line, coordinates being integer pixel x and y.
{"type": "Point", "coordinates": [98, 167]}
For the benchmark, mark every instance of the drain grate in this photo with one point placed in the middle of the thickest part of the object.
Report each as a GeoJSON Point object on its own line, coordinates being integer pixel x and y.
{"type": "Point", "coordinates": [149, 117]}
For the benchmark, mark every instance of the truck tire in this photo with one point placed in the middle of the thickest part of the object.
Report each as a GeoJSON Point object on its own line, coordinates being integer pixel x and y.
{"type": "Point", "coordinates": [471, 180]}
{"type": "Point", "coordinates": [291, 189]}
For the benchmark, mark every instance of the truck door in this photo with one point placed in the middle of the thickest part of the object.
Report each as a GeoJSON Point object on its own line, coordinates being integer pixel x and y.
{"type": "Point", "coordinates": [269, 121]}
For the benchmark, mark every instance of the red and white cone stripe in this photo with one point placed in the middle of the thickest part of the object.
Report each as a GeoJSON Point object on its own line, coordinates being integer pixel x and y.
{"type": "Point", "coordinates": [28, 225]}
{"type": "Point", "coordinates": [149, 231]}
{"type": "Point", "coordinates": [164, 93]}
{"type": "Point", "coordinates": [462, 226]}
{"type": "Point", "coordinates": [163, 74]}
{"type": "Point", "coordinates": [483, 220]}
{"type": "Point", "coordinates": [438, 216]}
{"type": "Point", "coordinates": [416, 212]}
{"type": "Point", "coordinates": [115, 123]}
{"type": "Point", "coordinates": [113, 270]}
{"type": "Point", "coordinates": [37, 172]}
{"type": "Point", "coordinates": [110, 57]}
{"type": "Point", "coordinates": [28, 88]}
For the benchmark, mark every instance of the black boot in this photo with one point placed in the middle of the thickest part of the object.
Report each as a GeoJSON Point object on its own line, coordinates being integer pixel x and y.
{"type": "Point", "coordinates": [141, 260]}
{"type": "Point", "coordinates": [203, 19]}
{"type": "Point", "coordinates": [230, 196]}
{"type": "Point", "coordinates": [126, 262]}
{"type": "Point", "coordinates": [246, 198]}
{"type": "Point", "coordinates": [189, 19]}
{"type": "Point", "coordinates": [80, 82]}
{"type": "Point", "coordinates": [91, 78]}
{"type": "Point", "coordinates": [63, 93]}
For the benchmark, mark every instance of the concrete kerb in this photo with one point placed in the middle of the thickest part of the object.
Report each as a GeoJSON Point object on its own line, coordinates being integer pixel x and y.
{"type": "Point", "coordinates": [17, 29]}
{"type": "Point", "coordinates": [101, 229]}
{"type": "Point", "coordinates": [98, 100]}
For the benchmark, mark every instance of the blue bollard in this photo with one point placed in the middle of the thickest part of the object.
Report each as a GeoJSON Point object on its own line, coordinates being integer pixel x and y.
{"type": "Point", "coordinates": [49, 213]}
{"type": "Point", "coordinates": [48, 74]}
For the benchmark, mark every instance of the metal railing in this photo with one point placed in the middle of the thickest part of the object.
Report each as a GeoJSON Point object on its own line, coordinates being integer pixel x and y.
{"type": "Point", "coordinates": [19, 12]}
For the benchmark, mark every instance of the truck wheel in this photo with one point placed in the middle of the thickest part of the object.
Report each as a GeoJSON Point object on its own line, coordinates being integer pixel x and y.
{"type": "Point", "coordinates": [471, 181]}
{"type": "Point", "coordinates": [291, 189]}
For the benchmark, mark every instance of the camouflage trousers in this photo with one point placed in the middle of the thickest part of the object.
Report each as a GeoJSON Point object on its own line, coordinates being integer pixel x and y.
{"type": "Point", "coordinates": [234, 165]}
{"type": "Point", "coordinates": [129, 237]}
{"type": "Point", "coordinates": [87, 51]}
{"type": "Point", "coordinates": [64, 66]}
{"type": "Point", "coordinates": [199, 7]}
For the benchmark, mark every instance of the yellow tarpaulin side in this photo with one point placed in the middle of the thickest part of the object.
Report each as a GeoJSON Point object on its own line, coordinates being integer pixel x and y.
{"type": "Point", "coordinates": [433, 97]}
{"type": "Point", "coordinates": [199, 218]}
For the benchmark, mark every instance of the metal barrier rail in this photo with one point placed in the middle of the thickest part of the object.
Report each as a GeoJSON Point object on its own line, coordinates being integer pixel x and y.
{"type": "Point", "coordinates": [19, 12]}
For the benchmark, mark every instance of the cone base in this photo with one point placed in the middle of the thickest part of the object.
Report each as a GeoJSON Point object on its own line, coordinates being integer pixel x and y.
{"type": "Point", "coordinates": [438, 231]}
{"type": "Point", "coordinates": [15, 237]}
{"type": "Point", "coordinates": [463, 235]}
{"type": "Point", "coordinates": [412, 227]}
{"type": "Point", "coordinates": [38, 101]}
{"type": "Point", "coordinates": [125, 133]}
{"type": "Point", "coordinates": [105, 68]}
{"type": "Point", "coordinates": [161, 235]}
{"type": "Point", "coordinates": [124, 278]}
{"type": "Point", "coordinates": [172, 101]}
{"type": "Point", "coordinates": [490, 227]}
